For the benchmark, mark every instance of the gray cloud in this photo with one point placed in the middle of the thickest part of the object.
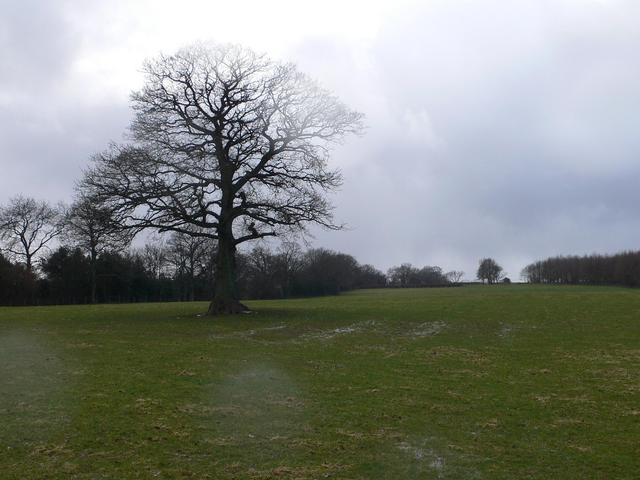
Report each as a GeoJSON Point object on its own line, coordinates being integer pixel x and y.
{"type": "Point", "coordinates": [528, 148]}
{"type": "Point", "coordinates": [495, 128]}
{"type": "Point", "coordinates": [48, 126]}
{"type": "Point", "coordinates": [35, 46]}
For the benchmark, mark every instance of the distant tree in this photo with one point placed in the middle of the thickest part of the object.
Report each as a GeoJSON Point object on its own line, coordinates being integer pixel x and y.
{"type": "Point", "coordinates": [290, 262]}
{"type": "Point", "coordinates": [489, 270]}
{"type": "Point", "coordinates": [406, 275]}
{"type": "Point", "coordinates": [156, 257]}
{"type": "Point", "coordinates": [619, 269]}
{"type": "Point", "coordinates": [402, 275]}
{"type": "Point", "coordinates": [430, 276]}
{"type": "Point", "coordinates": [189, 255]}
{"type": "Point", "coordinates": [95, 229]}
{"type": "Point", "coordinates": [68, 272]}
{"type": "Point", "coordinates": [18, 286]}
{"type": "Point", "coordinates": [123, 277]}
{"type": "Point", "coordinates": [532, 273]}
{"type": "Point", "coordinates": [229, 142]}
{"type": "Point", "coordinates": [370, 277]}
{"type": "Point", "coordinates": [455, 276]}
{"type": "Point", "coordinates": [325, 272]}
{"type": "Point", "coordinates": [27, 226]}
{"type": "Point", "coordinates": [287, 271]}
{"type": "Point", "coordinates": [626, 269]}
{"type": "Point", "coordinates": [263, 275]}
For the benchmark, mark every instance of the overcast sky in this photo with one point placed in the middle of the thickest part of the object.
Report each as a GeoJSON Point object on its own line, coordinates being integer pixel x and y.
{"type": "Point", "coordinates": [495, 128]}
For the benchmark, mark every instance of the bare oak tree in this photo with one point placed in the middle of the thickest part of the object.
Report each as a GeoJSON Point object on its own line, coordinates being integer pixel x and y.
{"type": "Point", "coordinates": [26, 227]}
{"type": "Point", "coordinates": [94, 228]}
{"type": "Point", "coordinates": [231, 143]}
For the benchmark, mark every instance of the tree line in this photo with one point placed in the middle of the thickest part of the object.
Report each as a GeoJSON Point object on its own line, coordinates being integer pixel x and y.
{"type": "Point", "coordinates": [82, 254]}
{"type": "Point", "coordinates": [618, 269]}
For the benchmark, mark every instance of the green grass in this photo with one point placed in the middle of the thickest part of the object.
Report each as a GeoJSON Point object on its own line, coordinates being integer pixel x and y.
{"type": "Point", "coordinates": [505, 382]}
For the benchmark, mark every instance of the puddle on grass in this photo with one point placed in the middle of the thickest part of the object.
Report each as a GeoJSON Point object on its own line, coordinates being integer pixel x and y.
{"type": "Point", "coordinates": [425, 458]}
{"type": "Point", "coordinates": [427, 329]}
{"type": "Point", "coordinates": [411, 331]}
{"type": "Point", "coordinates": [364, 326]}
{"type": "Point", "coordinates": [505, 330]}
{"type": "Point", "coordinates": [247, 333]}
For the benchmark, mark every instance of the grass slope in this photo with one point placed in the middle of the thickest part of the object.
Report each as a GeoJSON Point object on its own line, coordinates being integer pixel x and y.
{"type": "Point", "coordinates": [472, 383]}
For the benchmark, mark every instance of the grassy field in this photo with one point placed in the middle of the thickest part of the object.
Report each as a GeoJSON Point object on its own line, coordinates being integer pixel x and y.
{"type": "Point", "coordinates": [506, 382]}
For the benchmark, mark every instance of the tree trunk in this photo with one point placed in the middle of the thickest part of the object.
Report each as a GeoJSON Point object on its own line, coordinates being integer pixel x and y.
{"type": "Point", "coordinates": [225, 297]}
{"type": "Point", "coordinates": [191, 279]}
{"type": "Point", "coordinates": [92, 262]}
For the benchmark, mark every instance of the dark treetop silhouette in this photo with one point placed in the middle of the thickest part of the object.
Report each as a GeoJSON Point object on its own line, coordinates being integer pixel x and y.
{"type": "Point", "coordinates": [231, 143]}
